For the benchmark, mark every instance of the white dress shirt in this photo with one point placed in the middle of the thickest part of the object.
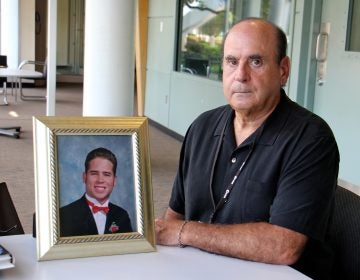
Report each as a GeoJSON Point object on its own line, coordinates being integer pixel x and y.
{"type": "Point", "coordinates": [99, 217]}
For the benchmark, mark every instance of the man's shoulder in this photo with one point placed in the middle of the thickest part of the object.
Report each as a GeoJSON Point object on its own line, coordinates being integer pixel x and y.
{"type": "Point", "coordinates": [75, 204]}
{"type": "Point", "coordinates": [207, 123]}
{"type": "Point", "coordinates": [315, 124]}
{"type": "Point", "coordinates": [300, 117]}
{"type": "Point", "coordinates": [115, 208]}
{"type": "Point", "coordinates": [211, 118]}
{"type": "Point", "coordinates": [213, 114]}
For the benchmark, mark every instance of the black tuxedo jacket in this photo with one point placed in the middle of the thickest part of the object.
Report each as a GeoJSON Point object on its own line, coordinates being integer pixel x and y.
{"type": "Point", "coordinates": [76, 219]}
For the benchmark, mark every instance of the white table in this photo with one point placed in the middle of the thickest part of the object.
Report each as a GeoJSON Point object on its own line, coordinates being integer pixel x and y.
{"type": "Point", "coordinates": [16, 74]}
{"type": "Point", "coordinates": [167, 263]}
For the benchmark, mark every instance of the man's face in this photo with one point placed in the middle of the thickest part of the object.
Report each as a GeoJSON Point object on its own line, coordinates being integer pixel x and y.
{"type": "Point", "coordinates": [99, 179]}
{"type": "Point", "coordinates": [252, 77]}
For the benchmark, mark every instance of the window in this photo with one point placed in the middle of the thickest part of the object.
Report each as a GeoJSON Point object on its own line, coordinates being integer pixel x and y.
{"type": "Point", "coordinates": [352, 36]}
{"type": "Point", "coordinates": [204, 23]}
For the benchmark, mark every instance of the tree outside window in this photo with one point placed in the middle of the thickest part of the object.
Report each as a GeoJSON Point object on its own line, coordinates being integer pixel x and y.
{"type": "Point", "coordinates": [204, 23]}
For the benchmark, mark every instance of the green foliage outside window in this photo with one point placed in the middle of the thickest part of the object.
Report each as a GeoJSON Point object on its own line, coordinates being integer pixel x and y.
{"type": "Point", "coordinates": [204, 24]}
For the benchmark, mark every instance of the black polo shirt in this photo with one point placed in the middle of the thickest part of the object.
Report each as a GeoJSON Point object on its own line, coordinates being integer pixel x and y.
{"type": "Point", "coordinates": [288, 180]}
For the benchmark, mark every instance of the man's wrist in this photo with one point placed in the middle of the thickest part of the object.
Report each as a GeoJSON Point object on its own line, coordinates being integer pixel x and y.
{"type": "Point", "coordinates": [180, 243]}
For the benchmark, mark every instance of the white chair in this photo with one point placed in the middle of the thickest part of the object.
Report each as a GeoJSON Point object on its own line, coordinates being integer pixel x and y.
{"type": "Point", "coordinates": [3, 64]}
{"type": "Point", "coordinates": [42, 77]}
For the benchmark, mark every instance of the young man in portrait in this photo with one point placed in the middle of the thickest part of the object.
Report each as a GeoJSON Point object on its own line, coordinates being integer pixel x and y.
{"type": "Point", "coordinates": [93, 213]}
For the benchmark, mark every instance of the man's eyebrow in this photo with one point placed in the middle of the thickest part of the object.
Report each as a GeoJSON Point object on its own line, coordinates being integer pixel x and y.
{"type": "Point", "coordinates": [253, 56]}
{"type": "Point", "coordinates": [256, 56]}
{"type": "Point", "coordinates": [229, 56]}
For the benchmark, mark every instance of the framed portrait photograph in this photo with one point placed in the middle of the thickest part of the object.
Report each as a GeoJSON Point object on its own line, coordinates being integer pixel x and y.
{"type": "Point", "coordinates": [93, 192]}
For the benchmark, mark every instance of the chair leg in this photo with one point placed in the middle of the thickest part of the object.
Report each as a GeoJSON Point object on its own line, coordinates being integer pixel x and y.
{"type": "Point", "coordinates": [28, 97]}
{"type": "Point", "coordinates": [12, 131]}
{"type": "Point", "coordinates": [4, 92]}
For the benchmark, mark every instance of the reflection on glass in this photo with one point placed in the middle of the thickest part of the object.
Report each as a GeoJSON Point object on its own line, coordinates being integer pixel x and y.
{"type": "Point", "coordinates": [352, 36]}
{"type": "Point", "coordinates": [204, 23]}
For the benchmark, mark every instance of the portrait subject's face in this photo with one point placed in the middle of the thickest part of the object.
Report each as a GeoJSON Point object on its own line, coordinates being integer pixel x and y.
{"type": "Point", "coordinates": [99, 179]}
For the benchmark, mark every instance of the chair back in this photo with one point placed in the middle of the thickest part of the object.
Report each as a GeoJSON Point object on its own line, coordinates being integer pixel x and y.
{"type": "Point", "coordinates": [3, 61]}
{"type": "Point", "coordinates": [345, 235]}
{"type": "Point", "coordinates": [3, 64]}
{"type": "Point", "coordinates": [9, 219]}
{"type": "Point", "coordinates": [40, 66]}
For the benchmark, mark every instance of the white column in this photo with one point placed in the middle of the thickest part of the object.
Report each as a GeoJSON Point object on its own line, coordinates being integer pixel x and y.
{"type": "Point", "coordinates": [10, 31]}
{"type": "Point", "coordinates": [51, 58]}
{"type": "Point", "coordinates": [109, 58]}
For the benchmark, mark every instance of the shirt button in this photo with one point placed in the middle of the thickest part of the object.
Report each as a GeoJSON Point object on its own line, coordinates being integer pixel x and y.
{"type": "Point", "coordinates": [233, 160]}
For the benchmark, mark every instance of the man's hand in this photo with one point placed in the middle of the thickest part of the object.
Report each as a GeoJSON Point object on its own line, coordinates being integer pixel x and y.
{"type": "Point", "coordinates": [167, 229]}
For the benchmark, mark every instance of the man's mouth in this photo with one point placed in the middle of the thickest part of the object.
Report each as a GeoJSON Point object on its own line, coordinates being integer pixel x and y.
{"type": "Point", "coordinates": [241, 90]}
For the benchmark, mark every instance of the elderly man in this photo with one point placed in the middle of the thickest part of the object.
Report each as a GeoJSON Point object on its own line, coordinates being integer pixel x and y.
{"type": "Point", "coordinates": [256, 177]}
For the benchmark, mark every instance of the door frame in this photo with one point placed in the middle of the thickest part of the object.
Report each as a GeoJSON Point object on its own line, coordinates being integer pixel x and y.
{"type": "Point", "coordinates": [306, 26]}
{"type": "Point", "coordinates": [40, 36]}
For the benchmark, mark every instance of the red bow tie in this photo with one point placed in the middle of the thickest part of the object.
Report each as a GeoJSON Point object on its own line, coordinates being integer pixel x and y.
{"type": "Point", "coordinates": [96, 208]}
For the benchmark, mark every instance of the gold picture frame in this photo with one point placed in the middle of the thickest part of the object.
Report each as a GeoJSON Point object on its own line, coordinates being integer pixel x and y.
{"type": "Point", "coordinates": [55, 138]}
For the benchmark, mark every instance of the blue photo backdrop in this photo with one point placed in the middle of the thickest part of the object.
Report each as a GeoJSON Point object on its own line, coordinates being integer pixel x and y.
{"type": "Point", "coordinates": [72, 151]}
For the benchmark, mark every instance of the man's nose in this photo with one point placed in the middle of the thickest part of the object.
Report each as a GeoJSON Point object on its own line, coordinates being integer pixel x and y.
{"type": "Point", "coordinates": [100, 178]}
{"type": "Point", "coordinates": [242, 72]}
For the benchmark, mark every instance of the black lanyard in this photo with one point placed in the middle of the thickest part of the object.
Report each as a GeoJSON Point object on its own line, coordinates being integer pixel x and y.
{"type": "Point", "coordinates": [230, 186]}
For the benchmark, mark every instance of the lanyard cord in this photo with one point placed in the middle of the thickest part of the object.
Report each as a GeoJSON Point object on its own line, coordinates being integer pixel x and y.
{"type": "Point", "coordinates": [228, 190]}
{"type": "Point", "coordinates": [216, 157]}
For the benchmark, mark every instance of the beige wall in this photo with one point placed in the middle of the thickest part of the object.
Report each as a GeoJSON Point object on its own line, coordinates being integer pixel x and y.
{"type": "Point", "coordinates": [27, 29]}
{"type": "Point", "coordinates": [62, 32]}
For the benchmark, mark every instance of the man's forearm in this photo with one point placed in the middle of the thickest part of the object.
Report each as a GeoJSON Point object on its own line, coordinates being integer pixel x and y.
{"type": "Point", "coordinates": [261, 242]}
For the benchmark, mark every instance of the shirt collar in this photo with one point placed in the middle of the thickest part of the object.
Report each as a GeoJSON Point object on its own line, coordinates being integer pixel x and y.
{"type": "Point", "coordinates": [276, 121]}
{"type": "Point", "coordinates": [272, 124]}
{"type": "Point", "coordinates": [97, 203]}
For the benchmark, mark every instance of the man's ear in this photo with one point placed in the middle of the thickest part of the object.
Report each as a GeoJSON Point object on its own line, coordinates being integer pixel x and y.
{"type": "Point", "coordinates": [284, 70]}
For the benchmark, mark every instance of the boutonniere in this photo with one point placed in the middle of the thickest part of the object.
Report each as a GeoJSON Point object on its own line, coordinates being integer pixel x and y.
{"type": "Point", "coordinates": [114, 227]}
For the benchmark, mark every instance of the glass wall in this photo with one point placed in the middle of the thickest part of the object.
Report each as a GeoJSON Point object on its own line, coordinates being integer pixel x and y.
{"type": "Point", "coordinates": [204, 23]}
{"type": "Point", "coordinates": [70, 37]}
{"type": "Point", "coordinates": [352, 36]}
